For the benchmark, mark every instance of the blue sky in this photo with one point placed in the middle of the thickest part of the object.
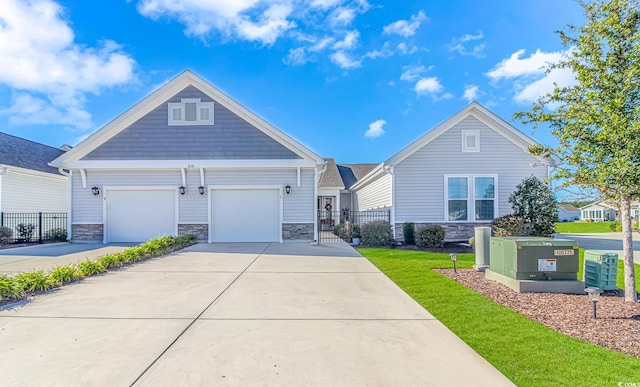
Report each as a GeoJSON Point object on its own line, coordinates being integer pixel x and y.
{"type": "Point", "coordinates": [354, 80]}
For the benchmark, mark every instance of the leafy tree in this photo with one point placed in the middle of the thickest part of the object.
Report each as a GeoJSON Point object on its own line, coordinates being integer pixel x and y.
{"type": "Point", "coordinates": [597, 119]}
{"type": "Point", "coordinates": [534, 202]}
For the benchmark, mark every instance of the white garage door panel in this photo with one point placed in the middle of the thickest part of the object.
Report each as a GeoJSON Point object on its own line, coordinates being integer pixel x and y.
{"type": "Point", "coordinates": [137, 216]}
{"type": "Point", "coordinates": [245, 215]}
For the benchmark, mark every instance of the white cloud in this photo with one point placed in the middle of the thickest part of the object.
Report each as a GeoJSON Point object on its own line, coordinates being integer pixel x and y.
{"type": "Point", "coordinates": [350, 41]}
{"type": "Point", "coordinates": [513, 66]}
{"type": "Point", "coordinates": [531, 81]}
{"type": "Point", "coordinates": [344, 61]}
{"type": "Point", "coordinates": [49, 74]}
{"type": "Point", "coordinates": [375, 129]}
{"type": "Point", "coordinates": [342, 16]}
{"type": "Point", "coordinates": [235, 18]}
{"type": "Point", "coordinates": [458, 45]}
{"type": "Point", "coordinates": [403, 49]}
{"type": "Point", "coordinates": [383, 52]}
{"type": "Point", "coordinates": [413, 72]}
{"type": "Point", "coordinates": [471, 92]}
{"type": "Point", "coordinates": [296, 57]}
{"type": "Point", "coordinates": [406, 28]}
{"type": "Point", "coordinates": [325, 4]}
{"type": "Point", "coordinates": [428, 86]}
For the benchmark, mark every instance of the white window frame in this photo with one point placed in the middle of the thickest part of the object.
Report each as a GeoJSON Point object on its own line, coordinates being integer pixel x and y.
{"type": "Point", "coordinates": [471, 198]}
{"type": "Point", "coordinates": [181, 105]}
{"type": "Point", "coordinates": [465, 135]}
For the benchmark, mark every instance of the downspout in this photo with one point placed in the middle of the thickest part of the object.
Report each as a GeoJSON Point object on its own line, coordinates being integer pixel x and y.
{"type": "Point", "coordinates": [69, 176]}
{"type": "Point", "coordinates": [3, 170]}
{"type": "Point", "coordinates": [315, 201]}
{"type": "Point", "coordinates": [389, 170]}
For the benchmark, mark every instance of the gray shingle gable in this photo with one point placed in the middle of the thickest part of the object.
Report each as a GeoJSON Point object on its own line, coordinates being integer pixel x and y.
{"type": "Point", "coordinates": [151, 138]}
{"type": "Point", "coordinates": [22, 153]}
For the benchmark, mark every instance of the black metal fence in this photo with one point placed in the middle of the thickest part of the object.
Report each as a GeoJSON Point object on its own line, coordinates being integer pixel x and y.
{"type": "Point", "coordinates": [334, 226]}
{"type": "Point", "coordinates": [37, 227]}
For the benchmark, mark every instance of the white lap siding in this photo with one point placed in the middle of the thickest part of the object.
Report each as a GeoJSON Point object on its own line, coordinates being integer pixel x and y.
{"type": "Point", "coordinates": [375, 195]}
{"type": "Point", "coordinates": [32, 192]}
{"type": "Point", "coordinates": [298, 206]}
{"type": "Point", "coordinates": [420, 178]}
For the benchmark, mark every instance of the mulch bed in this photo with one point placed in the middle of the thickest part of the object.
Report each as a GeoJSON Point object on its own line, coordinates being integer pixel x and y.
{"type": "Point", "coordinates": [616, 327]}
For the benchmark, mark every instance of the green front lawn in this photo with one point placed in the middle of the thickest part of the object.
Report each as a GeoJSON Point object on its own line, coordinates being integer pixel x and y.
{"type": "Point", "coordinates": [583, 227]}
{"type": "Point", "coordinates": [527, 352]}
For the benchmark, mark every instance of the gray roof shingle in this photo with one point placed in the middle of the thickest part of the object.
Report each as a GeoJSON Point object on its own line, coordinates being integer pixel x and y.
{"type": "Point", "coordinates": [331, 177]}
{"type": "Point", "coordinates": [22, 153]}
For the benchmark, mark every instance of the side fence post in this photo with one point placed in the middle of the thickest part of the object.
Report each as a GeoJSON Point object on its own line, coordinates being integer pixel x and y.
{"type": "Point", "coordinates": [39, 227]}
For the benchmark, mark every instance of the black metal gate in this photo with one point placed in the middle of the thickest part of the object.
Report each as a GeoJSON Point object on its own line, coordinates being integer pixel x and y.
{"type": "Point", "coordinates": [335, 226]}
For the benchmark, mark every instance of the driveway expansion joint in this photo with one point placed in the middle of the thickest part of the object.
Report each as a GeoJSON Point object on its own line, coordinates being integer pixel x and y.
{"type": "Point", "coordinates": [197, 317]}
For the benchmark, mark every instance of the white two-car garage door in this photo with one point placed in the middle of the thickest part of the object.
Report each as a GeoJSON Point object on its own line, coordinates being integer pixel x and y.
{"type": "Point", "coordinates": [245, 215]}
{"type": "Point", "coordinates": [139, 215]}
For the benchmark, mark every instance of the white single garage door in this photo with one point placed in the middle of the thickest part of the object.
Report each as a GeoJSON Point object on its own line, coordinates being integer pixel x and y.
{"type": "Point", "coordinates": [245, 215]}
{"type": "Point", "coordinates": [139, 215]}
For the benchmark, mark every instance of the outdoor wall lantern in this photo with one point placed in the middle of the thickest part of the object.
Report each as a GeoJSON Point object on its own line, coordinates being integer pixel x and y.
{"type": "Point", "coordinates": [454, 257]}
{"type": "Point", "coordinates": [182, 190]}
{"type": "Point", "coordinates": [287, 189]}
{"type": "Point", "coordinates": [95, 191]}
{"type": "Point", "coordinates": [201, 190]}
{"type": "Point", "coordinates": [594, 296]}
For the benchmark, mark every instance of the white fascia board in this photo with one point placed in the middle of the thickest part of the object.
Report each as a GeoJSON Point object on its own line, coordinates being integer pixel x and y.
{"type": "Point", "coordinates": [369, 177]}
{"type": "Point", "coordinates": [189, 164]}
{"type": "Point", "coordinates": [152, 101]}
{"type": "Point", "coordinates": [479, 112]}
{"type": "Point", "coordinates": [33, 172]}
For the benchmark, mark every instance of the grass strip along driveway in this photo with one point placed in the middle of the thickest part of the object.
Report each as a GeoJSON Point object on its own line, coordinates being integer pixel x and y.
{"type": "Point", "coordinates": [525, 351]}
{"type": "Point", "coordinates": [583, 227]}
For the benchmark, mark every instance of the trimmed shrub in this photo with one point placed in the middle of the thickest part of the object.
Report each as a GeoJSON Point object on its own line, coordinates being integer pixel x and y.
{"type": "Point", "coordinates": [6, 235]}
{"type": "Point", "coordinates": [377, 233]}
{"type": "Point", "coordinates": [508, 225]}
{"type": "Point", "coordinates": [408, 231]}
{"type": "Point", "coordinates": [62, 274]}
{"type": "Point", "coordinates": [615, 226]}
{"type": "Point", "coordinates": [430, 236]}
{"type": "Point", "coordinates": [25, 231]}
{"type": "Point", "coordinates": [56, 234]}
{"type": "Point", "coordinates": [32, 281]}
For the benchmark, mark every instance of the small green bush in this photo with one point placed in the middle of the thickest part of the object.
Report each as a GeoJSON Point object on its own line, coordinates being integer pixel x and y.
{"type": "Point", "coordinates": [340, 231]}
{"type": "Point", "coordinates": [355, 232]}
{"type": "Point", "coordinates": [377, 233]}
{"type": "Point", "coordinates": [56, 234]}
{"type": "Point", "coordinates": [430, 236]}
{"type": "Point", "coordinates": [6, 235]}
{"type": "Point", "coordinates": [8, 288]}
{"type": "Point", "coordinates": [25, 231]}
{"type": "Point", "coordinates": [472, 241]}
{"type": "Point", "coordinates": [108, 261]}
{"type": "Point", "coordinates": [615, 226]}
{"type": "Point", "coordinates": [32, 281]}
{"type": "Point", "coordinates": [62, 274]}
{"type": "Point", "coordinates": [408, 231]}
{"type": "Point", "coordinates": [89, 267]}
{"type": "Point", "coordinates": [508, 225]}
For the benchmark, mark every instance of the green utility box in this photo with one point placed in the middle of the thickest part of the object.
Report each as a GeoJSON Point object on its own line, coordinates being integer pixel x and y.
{"type": "Point", "coordinates": [600, 269]}
{"type": "Point", "coordinates": [534, 258]}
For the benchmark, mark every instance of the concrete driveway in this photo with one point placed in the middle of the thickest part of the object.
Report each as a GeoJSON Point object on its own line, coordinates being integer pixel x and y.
{"type": "Point", "coordinates": [47, 256]}
{"type": "Point", "coordinates": [610, 241]}
{"type": "Point", "coordinates": [237, 315]}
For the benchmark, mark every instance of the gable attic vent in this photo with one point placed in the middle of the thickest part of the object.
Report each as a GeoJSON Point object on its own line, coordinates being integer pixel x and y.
{"type": "Point", "coordinates": [471, 141]}
{"type": "Point", "coordinates": [190, 111]}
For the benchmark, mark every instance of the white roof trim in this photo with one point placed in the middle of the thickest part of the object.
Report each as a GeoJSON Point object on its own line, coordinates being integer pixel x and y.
{"type": "Point", "coordinates": [153, 100]}
{"type": "Point", "coordinates": [366, 179]}
{"type": "Point", "coordinates": [482, 114]}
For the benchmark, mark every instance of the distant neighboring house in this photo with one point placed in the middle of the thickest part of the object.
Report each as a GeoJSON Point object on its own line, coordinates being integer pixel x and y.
{"type": "Point", "coordinates": [602, 211]}
{"type": "Point", "coordinates": [188, 159]}
{"type": "Point", "coordinates": [458, 175]}
{"type": "Point", "coordinates": [598, 211]}
{"type": "Point", "coordinates": [568, 213]}
{"type": "Point", "coordinates": [27, 183]}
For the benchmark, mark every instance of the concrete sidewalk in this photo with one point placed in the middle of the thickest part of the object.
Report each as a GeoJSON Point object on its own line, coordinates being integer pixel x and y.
{"type": "Point", "coordinates": [236, 315]}
{"type": "Point", "coordinates": [47, 256]}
